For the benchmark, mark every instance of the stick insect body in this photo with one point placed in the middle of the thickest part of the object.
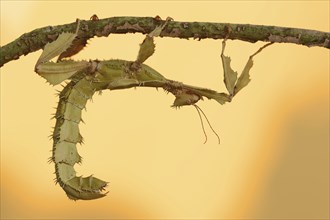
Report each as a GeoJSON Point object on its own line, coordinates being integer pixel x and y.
{"type": "Point", "coordinates": [88, 77]}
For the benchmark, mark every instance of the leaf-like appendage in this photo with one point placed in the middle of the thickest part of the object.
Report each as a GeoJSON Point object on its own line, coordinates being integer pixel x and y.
{"type": "Point", "coordinates": [147, 48]}
{"type": "Point", "coordinates": [56, 73]}
{"type": "Point", "coordinates": [221, 98]}
{"type": "Point", "coordinates": [244, 78]}
{"type": "Point", "coordinates": [55, 48]}
{"type": "Point", "coordinates": [230, 76]}
{"type": "Point", "coordinates": [77, 45]}
{"type": "Point", "coordinates": [176, 88]}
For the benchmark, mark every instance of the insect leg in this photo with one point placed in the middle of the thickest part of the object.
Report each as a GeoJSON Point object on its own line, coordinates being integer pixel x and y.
{"type": "Point", "coordinates": [147, 48]}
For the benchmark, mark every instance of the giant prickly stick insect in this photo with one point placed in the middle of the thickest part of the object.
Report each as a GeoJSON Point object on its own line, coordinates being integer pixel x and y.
{"type": "Point", "coordinates": [88, 77]}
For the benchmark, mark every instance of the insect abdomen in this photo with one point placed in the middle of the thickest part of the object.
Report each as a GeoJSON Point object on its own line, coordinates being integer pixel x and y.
{"type": "Point", "coordinates": [66, 135]}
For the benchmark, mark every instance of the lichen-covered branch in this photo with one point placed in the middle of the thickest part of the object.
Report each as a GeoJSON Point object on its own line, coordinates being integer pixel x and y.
{"type": "Point", "coordinates": [38, 38]}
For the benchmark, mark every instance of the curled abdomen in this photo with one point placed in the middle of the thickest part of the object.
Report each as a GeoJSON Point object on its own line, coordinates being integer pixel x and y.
{"type": "Point", "coordinates": [66, 135]}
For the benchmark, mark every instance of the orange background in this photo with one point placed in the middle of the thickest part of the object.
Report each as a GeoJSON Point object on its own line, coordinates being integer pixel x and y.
{"type": "Point", "coordinates": [273, 161]}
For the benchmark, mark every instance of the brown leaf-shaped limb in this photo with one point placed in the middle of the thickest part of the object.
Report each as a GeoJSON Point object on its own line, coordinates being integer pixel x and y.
{"type": "Point", "coordinates": [77, 45]}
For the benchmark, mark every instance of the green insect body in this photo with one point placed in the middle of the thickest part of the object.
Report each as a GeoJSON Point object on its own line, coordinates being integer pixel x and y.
{"type": "Point", "coordinates": [88, 77]}
{"type": "Point", "coordinates": [112, 74]}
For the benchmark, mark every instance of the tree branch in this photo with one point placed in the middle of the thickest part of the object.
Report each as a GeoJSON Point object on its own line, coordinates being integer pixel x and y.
{"type": "Point", "coordinates": [38, 38]}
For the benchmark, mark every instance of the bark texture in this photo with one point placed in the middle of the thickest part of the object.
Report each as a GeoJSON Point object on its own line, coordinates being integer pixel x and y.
{"type": "Point", "coordinates": [37, 39]}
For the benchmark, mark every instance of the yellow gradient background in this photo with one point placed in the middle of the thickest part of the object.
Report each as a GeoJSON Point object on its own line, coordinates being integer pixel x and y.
{"type": "Point", "coordinates": [273, 160]}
